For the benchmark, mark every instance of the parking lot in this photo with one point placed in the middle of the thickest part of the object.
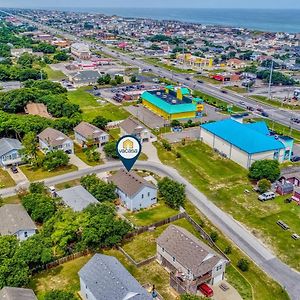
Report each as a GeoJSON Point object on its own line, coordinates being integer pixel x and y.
{"type": "Point", "coordinates": [190, 134]}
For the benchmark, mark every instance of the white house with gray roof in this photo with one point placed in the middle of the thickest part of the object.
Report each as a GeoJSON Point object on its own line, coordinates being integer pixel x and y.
{"type": "Point", "coordinates": [105, 278]}
{"type": "Point", "coordinates": [16, 221]}
{"type": "Point", "coordinates": [133, 190]}
{"type": "Point", "coordinates": [77, 197]}
{"type": "Point", "coordinates": [9, 152]}
{"type": "Point", "coordinates": [51, 139]}
{"type": "Point", "coordinates": [131, 126]}
{"type": "Point", "coordinates": [13, 293]}
{"type": "Point", "coordinates": [190, 261]}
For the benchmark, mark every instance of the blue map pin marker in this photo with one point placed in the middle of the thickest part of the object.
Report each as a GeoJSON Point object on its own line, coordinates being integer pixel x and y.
{"type": "Point", "coordinates": [129, 149]}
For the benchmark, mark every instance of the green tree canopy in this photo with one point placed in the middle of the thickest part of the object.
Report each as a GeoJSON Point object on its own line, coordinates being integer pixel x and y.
{"type": "Point", "coordinates": [55, 159]}
{"type": "Point", "coordinates": [268, 169]}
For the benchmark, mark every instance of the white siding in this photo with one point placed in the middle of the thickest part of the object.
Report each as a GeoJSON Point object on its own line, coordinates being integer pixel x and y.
{"type": "Point", "coordinates": [23, 235]}
{"type": "Point", "coordinates": [218, 272]}
{"type": "Point", "coordinates": [85, 293]}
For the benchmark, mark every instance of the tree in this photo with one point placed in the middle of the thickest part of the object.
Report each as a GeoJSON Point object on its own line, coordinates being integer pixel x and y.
{"type": "Point", "coordinates": [100, 122]}
{"type": "Point", "coordinates": [133, 79]}
{"type": "Point", "coordinates": [39, 206]}
{"type": "Point", "coordinates": [26, 60]}
{"type": "Point", "coordinates": [92, 154]}
{"type": "Point", "coordinates": [228, 250]}
{"type": "Point", "coordinates": [55, 159]}
{"type": "Point", "coordinates": [268, 169]}
{"type": "Point", "coordinates": [30, 149]}
{"type": "Point", "coordinates": [59, 295]}
{"type": "Point", "coordinates": [61, 56]}
{"type": "Point", "coordinates": [175, 123]}
{"type": "Point", "coordinates": [214, 236]}
{"type": "Point", "coordinates": [37, 188]}
{"type": "Point", "coordinates": [110, 150]}
{"type": "Point", "coordinates": [243, 264]}
{"type": "Point", "coordinates": [172, 192]}
{"type": "Point", "coordinates": [119, 79]}
{"type": "Point", "coordinates": [263, 185]}
{"type": "Point", "coordinates": [105, 79]}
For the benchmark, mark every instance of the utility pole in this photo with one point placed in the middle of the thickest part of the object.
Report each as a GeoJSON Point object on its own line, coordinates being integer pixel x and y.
{"type": "Point", "coordinates": [270, 80]}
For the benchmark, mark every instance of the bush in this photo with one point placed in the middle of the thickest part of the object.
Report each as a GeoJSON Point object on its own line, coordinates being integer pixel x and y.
{"type": "Point", "coordinates": [228, 250]}
{"type": "Point", "coordinates": [264, 185]}
{"type": "Point", "coordinates": [59, 295]}
{"type": "Point", "coordinates": [214, 236]}
{"type": "Point", "coordinates": [178, 155]}
{"type": "Point", "coordinates": [55, 159]}
{"type": "Point", "coordinates": [166, 145]}
{"type": "Point", "coordinates": [268, 169]}
{"type": "Point", "coordinates": [243, 265]}
{"type": "Point", "coordinates": [110, 150]}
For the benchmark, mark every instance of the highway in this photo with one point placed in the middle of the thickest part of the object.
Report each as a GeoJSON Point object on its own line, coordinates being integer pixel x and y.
{"type": "Point", "coordinates": [278, 115]}
{"type": "Point", "coordinates": [245, 240]}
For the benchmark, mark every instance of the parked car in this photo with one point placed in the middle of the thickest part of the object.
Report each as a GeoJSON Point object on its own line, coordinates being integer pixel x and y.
{"type": "Point", "coordinates": [266, 196]}
{"type": "Point", "coordinates": [250, 108]}
{"type": "Point", "coordinates": [199, 81]}
{"type": "Point", "coordinates": [206, 290]}
{"type": "Point", "coordinates": [224, 92]}
{"type": "Point", "coordinates": [295, 158]}
{"type": "Point", "coordinates": [14, 169]}
{"type": "Point", "coordinates": [264, 114]}
{"type": "Point", "coordinates": [187, 78]}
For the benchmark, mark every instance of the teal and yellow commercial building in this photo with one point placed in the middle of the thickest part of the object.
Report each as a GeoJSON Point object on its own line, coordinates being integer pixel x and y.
{"type": "Point", "coordinates": [173, 103]}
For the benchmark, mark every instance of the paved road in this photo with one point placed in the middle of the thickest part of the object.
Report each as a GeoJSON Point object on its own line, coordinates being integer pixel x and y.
{"type": "Point", "coordinates": [247, 242]}
{"type": "Point", "coordinates": [277, 114]}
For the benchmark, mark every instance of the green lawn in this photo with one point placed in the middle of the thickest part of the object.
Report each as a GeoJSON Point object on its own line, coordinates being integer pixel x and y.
{"type": "Point", "coordinates": [151, 215]}
{"type": "Point", "coordinates": [54, 74]}
{"type": "Point", "coordinates": [156, 61]}
{"type": "Point", "coordinates": [280, 129]}
{"type": "Point", "coordinates": [274, 102]}
{"type": "Point", "coordinates": [67, 184]}
{"type": "Point", "coordinates": [79, 152]}
{"type": "Point", "coordinates": [115, 133]}
{"type": "Point", "coordinates": [207, 79]}
{"type": "Point", "coordinates": [5, 179]}
{"type": "Point", "coordinates": [63, 277]}
{"type": "Point", "coordinates": [91, 108]}
{"type": "Point", "coordinates": [40, 174]}
{"type": "Point", "coordinates": [224, 183]}
{"type": "Point", "coordinates": [143, 156]}
{"type": "Point", "coordinates": [11, 200]}
{"type": "Point", "coordinates": [237, 89]}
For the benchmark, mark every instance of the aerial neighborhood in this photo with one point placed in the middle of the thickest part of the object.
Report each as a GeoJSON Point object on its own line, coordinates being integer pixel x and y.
{"type": "Point", "coordinates": [210, 206]}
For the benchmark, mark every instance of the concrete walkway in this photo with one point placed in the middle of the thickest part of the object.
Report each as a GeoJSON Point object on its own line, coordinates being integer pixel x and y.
{"type": "Point", "coordinates": [150, 150]}
{"type": "Point", "coordinates": [76, 161]}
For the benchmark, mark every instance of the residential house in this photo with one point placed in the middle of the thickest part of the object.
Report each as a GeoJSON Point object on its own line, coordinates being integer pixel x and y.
{"type": "Point", "coordinates": [13, 293]}
{"type": "Point", "coordinates": [51, 139]}
{"type": "Point", "coordinates": [134, 191]}
{"type": "Point", "coordinates": [190, 261]}
{"type": "Point", "coordinates": [135, 128]}
{"type": "Point", "coordinates": [77, 197]}
{"type": "Point", "coordinates": [87, 134]}
{"type": "Point", "coordinates": [105, 278]}
{"type": "Point", "coordinates": [17, 52]}
{"type": "Point", "coordinates": [9, 152]}
{"type": "Point", "coordinates": [16, 221]}
{"type": "Point", "coordinates": [83, 78]}
{"type": "Point", "coordinates": [235, 63]}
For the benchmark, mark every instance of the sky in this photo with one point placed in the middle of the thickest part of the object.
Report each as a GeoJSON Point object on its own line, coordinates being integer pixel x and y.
{"type": "Point", "coordinates": [269, 4]}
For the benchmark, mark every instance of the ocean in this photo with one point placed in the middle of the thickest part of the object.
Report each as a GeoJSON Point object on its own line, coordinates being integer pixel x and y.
{"type": "Point", "coordinates": [256, 19]}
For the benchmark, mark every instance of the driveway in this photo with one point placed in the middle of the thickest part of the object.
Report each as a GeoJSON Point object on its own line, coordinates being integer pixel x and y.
{"type": "Point", "coordinates": [230, 294]}
{"type": "Point", "coordinates": [19, 178]}
{"type": "Point", "coordinates": [76, 161]}
{"type": "Point", "coordinates": [150, 151]}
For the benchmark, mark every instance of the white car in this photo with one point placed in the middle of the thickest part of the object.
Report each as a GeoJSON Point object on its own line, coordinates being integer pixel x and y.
{"type": "Point", "coordinates": [266, 196]}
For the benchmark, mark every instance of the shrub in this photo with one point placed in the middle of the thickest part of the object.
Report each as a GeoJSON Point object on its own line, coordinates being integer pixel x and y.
{"type": "Point", "coordinates": [243, 265]}
{"type": "Point", "coordinates": [264, 185]}
{"type": "Point", "coordinates": [214, 236]}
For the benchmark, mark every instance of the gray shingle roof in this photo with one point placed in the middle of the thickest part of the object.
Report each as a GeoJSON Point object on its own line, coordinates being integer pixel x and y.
{"type": "Point", "coordinates": [189, 251]}
{"type": "Point", "coordinates": [77, 197]}
{"type": "Point", "coordinates": [12, 293]}
{"type": "Point", "coordinates": [86, 76]}
{"type": "Point", "coordinates": [129, 182]}
{"type": "Point", "coordinates": [53, 137]}
{"type": "Point", "coordinates": [131, 126]}
{"type": "Point", "coordinates": [13, 218]}
{"type": "Point", "coordinates": [7, 145]}
{"type": "Point", "coordinates": [108, 279]}
{"type": "Point", "coordinates": [89, 131]}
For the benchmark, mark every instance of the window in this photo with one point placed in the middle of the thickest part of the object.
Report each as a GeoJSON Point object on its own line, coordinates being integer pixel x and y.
{"type": "Point", "coordinates": [25, 234]}
{"type": "Point", "coordinates": [148, 194]}
{"type": "Point", "coordinates": [218, 268]}
{"type": "Point", "coordinates": [163, 249]}
{"type": "Point", "coordinates": [142, 196]}
{"type": "Point", "coordinates": [174, 259]}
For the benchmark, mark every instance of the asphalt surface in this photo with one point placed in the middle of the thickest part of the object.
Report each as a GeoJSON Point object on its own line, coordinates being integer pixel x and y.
{"type": "Point", "coordinates": [247, 242]}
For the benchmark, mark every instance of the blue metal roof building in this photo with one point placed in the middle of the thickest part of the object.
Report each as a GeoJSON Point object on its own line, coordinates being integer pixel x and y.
{"type": "Point", "coordinates": [253, 139]}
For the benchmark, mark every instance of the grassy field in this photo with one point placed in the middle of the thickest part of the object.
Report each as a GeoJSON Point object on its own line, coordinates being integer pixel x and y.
{"type": "Point", "coordinates": [11, 200]}
{"type": "Point", "coordinates": [63, 277]}
{"type": "Point", "coordinates": [79, 152]}
{"type": "Point", "coordinates": [207, 79]}
{"type": "Point", "coordinates": [151, 215]}
{"type": "Point", "coordinates": [40, 174]}
{"type": "Point", "coordinates": [5, 179]}
{"type": "Point", "coordinates": [91, 108]}
{"type": "Point", "coordinates": [143, 156]}
{"type": "Point", "coordinates": [237, 89]}
{"type": "Point", "coordinates": [275, 103]}
{"type": "Point", "coordinates": [115, 133]}
{"type": "Point", "coordinates": [224, 183]}
{"type": "Point", "coordinates": [280, 129]}
{"type": "Point", "coordinates": [54, 74]}
{"type": "Point", "coordinates": [156, 61]}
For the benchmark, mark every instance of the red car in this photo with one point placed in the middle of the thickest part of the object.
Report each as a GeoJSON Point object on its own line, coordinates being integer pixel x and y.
{"type": "Point", "coordinates": [206, 290]}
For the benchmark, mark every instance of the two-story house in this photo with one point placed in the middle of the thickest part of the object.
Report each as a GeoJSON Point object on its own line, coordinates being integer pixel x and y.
{"type": "Point", "coordinates": [103, 277]}
{"type": "Point", "coordinates": [51, 139]}
{"type": "Point", "coordinates": [133, 190]}
{"type": "Point", "coordinates": [9, 152]}
{"type": "Point", "coordinates": [135, 128]}
{"type": "Point", "coordinates": [190, 261]}
{"type": "Point", "coordinates": [16, 221]}
{"type": "Point", "coordinates": [87, 134]}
